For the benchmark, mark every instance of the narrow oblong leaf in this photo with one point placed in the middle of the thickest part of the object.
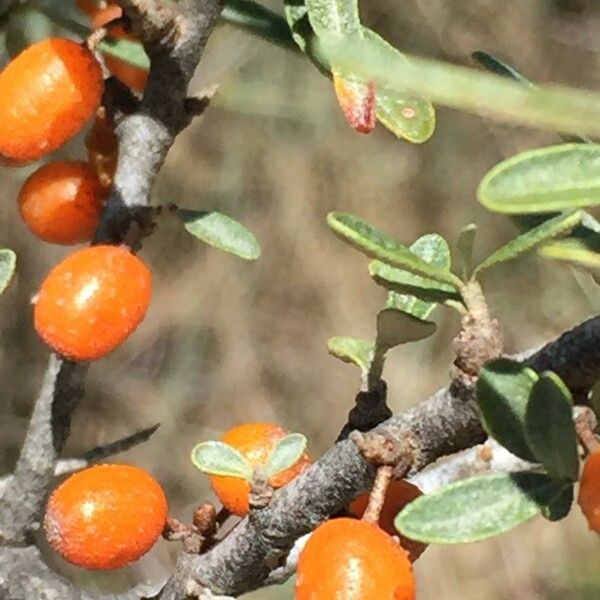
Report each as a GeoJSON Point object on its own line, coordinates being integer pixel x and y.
{"type": "Point", "coordinates": [286, 454]}
{"type": "Point", "coordinates": [352, 350]}
{"type": "Point", "coordinates": [544, 232]}
{"type": "Point", "coordinates": [499, 67]}
{"type": "Point", "coordinates": [549, 179]}
{"type": "Point", "coordinates": [376, 244]}
{"type": "Point", "coordinates": [549, 427]}
{"type": "Point", "coordinates": [503, 391]}
{"type": "Point", "coordinates": [128, 51]}
{"type": "Point", "coordinates": [221, 231]}
{"type": "Point", "coordinates": [334, 16]}
{"type": "Point", "coordinates": [583, 251]}
{"type": "Point", "coordinates": [560, 506]}
{"type": "Point", "coordinates": [395, 327]}
{"type": "Point", "coordinates": [477, 508]}
{"type": "Point", "coordinates": [415, 287]}
{"type": "Point", "coordinates": [464, 249]}
{"type": "Point", "coordinates": [407, 116]}
{"type": "Point", "coordinates": [8, 266]}
{"type": "Point", "coordinates": [218, 458]}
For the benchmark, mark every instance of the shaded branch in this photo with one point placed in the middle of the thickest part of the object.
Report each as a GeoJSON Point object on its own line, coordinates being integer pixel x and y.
{"type": "Point", "coordinates": [441, 425]}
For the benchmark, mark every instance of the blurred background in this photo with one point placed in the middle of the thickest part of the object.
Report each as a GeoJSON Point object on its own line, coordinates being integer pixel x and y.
{"type": "Point", "coordinates": [227, 341]}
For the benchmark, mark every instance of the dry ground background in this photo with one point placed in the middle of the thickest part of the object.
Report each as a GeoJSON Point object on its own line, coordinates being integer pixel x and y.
{"type": "Point", "coordinates": [226, 342]}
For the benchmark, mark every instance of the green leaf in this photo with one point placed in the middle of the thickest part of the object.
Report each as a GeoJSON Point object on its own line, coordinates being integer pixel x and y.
{"type": "Point", "coordinates": [499, 67]}
{"type": "Point", "coordinates": [407, 116]}
{"type": "Point", "coordinates": [395, 327]}
{"type": "Point", "coordinates": [8, 266]}
{"type": "Point", "coordinates": [477, 508]}
{"type": "Point", "coordinates": [416, 292]}
{"type": "Point", "coordinates": [555, 108]}
{"type": "Point", "coordinates": [217, 458]}
{"type": "Point", "coordinates": [286, 454]}
{"type": "Point", "coordinates": [334, 17]}
{"type": "Point", "coordinates": [352, 350]}
{"type": "Point", "coordinates": [221, 231]}
{"type": "Point", "coordinates": [24, 27]}
{"type": "Point", "coordinates": [495, 65]}
{"type": "Point", "coordinates": [503, 390]}
{"type": "Point", "coordinates": [464, 249]}
{"type": "Point", "coordinates": [129, 51]}
{"type": "Point", "coordinates": [549, 427]}
{"type": "Point", "coordinates": [379, 245]}
{"type": "Point", "coordinates": [549, 229]}
{"type": "Point", "coordinates": [548, 179]}
{"type": "Point", "coordinates": [583, 250]}
{"type": "Point", "coordinates": [560, 506]}
{"type": "Point", "coordinates": [258, 20]}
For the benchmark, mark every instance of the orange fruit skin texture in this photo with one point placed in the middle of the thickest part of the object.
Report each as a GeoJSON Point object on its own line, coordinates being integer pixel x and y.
{"type": "Point", "coordinates": [133, 77]}
{"type": "Point", "coordinates": [92, 301]}
{"type": "Point", "coordinates": [347, 559]}
{"type": "Point", "coordinates": [255, 441]}
{"type": "Point", "coordinates": [589, 491]}
{"type": "Point", "coordinates": [106, 517]}
{"type": "Point", "coordinates": [398, 495]}
{"type": "Point", "coordinates": [61, 202]}
{"type": "Point", "coordinates": [47, 94]}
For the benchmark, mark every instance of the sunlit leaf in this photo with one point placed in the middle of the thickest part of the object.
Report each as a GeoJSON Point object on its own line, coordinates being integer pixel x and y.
{"type": "Point", "coordinates": [554, 108]}
{"type": "Point", "coordinates": [408, 117]}
{"type": "Point", "coordinates": [8, 265]}
{"type": "Point", "coordinates": [548, 179]}
{"type": "Point", "coordinates": [286, 454]}
{"type": "Point", "coordinates": [549, 427]}
{"type": "Point", "coordinates": [477, 508]}
{"type": "Point", "coordinates": [352, 350]}
{"type": "Point", "coordinates": [376, 244]}
{"type": "Point", "coordinates": [222, 232]}
{"type": "Point", "coordinates": [218, 458]}
{"type": "Point", "coordinates": [549, 229]}
{"type": "Point", "coordinates": [503, 391]}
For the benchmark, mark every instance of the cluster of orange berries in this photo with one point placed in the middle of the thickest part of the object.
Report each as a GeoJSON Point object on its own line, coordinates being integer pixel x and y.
{"type": "Point", "coordinates": [94, 299]}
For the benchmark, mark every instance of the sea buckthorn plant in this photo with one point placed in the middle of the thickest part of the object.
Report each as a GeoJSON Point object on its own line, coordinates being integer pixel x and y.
{"type": "Point", "coordinates": [510, 438]}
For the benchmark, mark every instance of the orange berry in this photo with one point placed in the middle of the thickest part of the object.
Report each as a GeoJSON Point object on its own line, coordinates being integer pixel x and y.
{"type": "Point", "coordinates": [133, 77]}
{"type": "Point", "coordinates": [398, 495]}
{"type": "Point", "coordinates": [61, 202]}
{"type": "Point", "coordinates": [255, 441]}
{"type": "Point", "coordinates": [589, 491]}
{"type": "Point", "coordinates": [92, 301]}
{"type": "Point", "coordinates": [103, 147]}
{"type": "Point", "coordinates": [353, 560]}
{"type": "Point", "coordinates": [105, 517]}
{"type": "Point", "coordinates": [48, 93]}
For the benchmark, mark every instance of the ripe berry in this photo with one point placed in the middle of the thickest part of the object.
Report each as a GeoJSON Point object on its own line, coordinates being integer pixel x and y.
{"type": "Point", "coordinates": [92, 301]}
{"type": "Point", "coordinates": [589, 491]}
{"type": "Point", "coordinates": [61, 202]}
{"type": "Point", "coordinates": [398, 495]}
{"type": "Point", "coordinates": [353, 560]}
{"type": "Point", "coordinates": [105, 517]}
{"type": "Point", "coordinates": [48, 93]}
{"type": "Point", "coordinates": [131, 76]}
{"type": "Point", "coordinates": [255, 441]}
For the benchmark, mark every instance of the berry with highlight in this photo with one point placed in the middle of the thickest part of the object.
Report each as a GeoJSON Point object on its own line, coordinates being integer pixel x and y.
{"type": "Point", "coordinates": [353, 560]}
{"type": "Point", "coordinates": [255, 441]}
{"type": "Point", "coordinates": [92, 301]}
{"type": "Point", "coordinates": [61, 202]}
{"type": "Point", "coordinates": [49, 92]}
{"type": "Point", "coordinates": [105, 517]}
